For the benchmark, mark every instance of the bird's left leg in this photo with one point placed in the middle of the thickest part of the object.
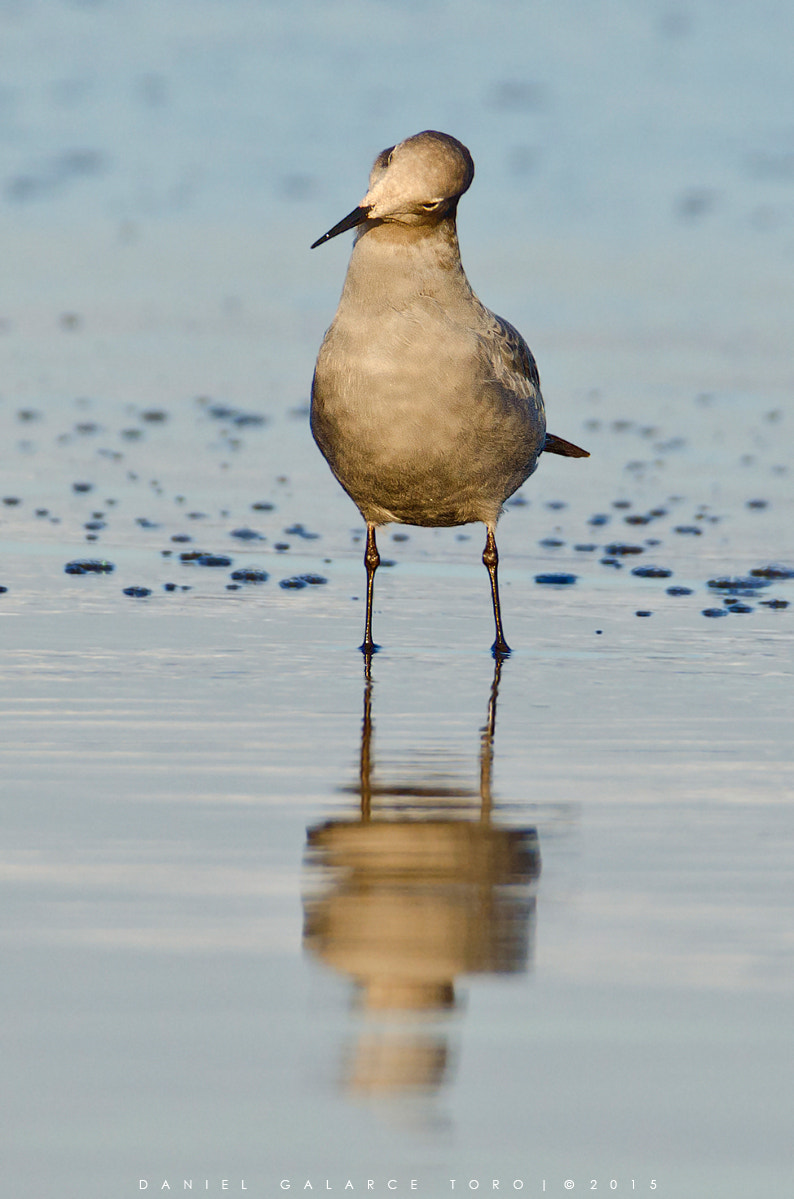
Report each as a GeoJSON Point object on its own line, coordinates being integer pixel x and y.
{"type": "Point", "coordinates": [490, 557]}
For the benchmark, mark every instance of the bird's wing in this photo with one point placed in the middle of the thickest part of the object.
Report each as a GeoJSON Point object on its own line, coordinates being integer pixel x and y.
{"type": "Point", "coordinates": [512, 360]}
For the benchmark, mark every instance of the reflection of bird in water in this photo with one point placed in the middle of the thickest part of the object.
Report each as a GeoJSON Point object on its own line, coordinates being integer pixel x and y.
{"type": "Point", "coordinates": [426, 406]}
{"type": "Point", "coordinates": [418, 888]}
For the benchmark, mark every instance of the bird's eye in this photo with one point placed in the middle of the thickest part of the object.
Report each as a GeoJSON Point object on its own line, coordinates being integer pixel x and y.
{"type": "Point", "coordinates": [430, 206]}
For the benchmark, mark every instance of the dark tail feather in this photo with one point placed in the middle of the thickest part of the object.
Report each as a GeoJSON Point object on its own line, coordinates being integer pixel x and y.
{"type": "Point", "coordinates": [557, 445]}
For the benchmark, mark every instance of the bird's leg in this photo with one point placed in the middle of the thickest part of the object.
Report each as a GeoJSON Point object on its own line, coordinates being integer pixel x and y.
{"type": "Point", "coordinates": [372, 562]}
{"type": "Point", "coordinates": [490, 557]}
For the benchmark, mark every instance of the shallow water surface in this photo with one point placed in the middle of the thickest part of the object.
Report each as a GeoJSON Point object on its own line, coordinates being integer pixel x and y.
{"type": "Point", "coordinates": [269, 919]}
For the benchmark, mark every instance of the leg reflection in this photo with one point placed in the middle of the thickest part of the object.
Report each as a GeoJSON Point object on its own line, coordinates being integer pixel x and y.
{"type": "Point", "coordinates": [418, 886]}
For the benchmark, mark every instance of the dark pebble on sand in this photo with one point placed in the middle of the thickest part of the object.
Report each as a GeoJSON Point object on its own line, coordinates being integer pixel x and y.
{"type": "Point", "coordinates": [643, 612]}
{"type": "Point", "coordinates": [619, 549]}
{"type": "Point", "coordinates": [314, 580]}
{"type": "Point", "coordinates": [636, 519]}
{"type": "Point", "coordinates": [297, 530]}
{"type": "Point", "coordinates": [739, 608]}
{"type": "Point", "coordinates": [11, 500]}
{"type": "Point", "coordinates": [599, 519]}
{"type": "Point", "coordinates": [551, 543]}
{"type": "Point", "coordinates": [585, 549]}
{"type": "Point", "coordinates": [739, 585]}
{"type": "Point", "coordinates": [145, 523]}
{"type": "Point", "coordinates": [775, 571]}
{"type": "Point", "coordinates": [715, 611]}
{"type": "Point", "coordinates": [281, 546]}
{"type": "Point", "coordinates": [82, 487]}
{"type": "Point", "coordinates": [757, 504]}
{"type": "Point", "coordinates": [138, 592]}
{"type": "Point", "coordinates": [3, 590]}
{"type": "Point", "coordinates": [611, 562]}
{"type": "Point", "coordinates": [293, 584]}
{"type": "Point", "coordinates": [555, 580]}
{"type": "Point", "coordinates": [213, 560]}
{"type": "Point", "coordinates": [250, 576]}
{"type": "Point", "coordinates": [690, 530]}
{"type": "Point", "coordinates": [181, 538]}
{"type": "Point", "coordinates": [169, 586]}
{"type": "Point", "coordinates": [88, 566]}
{"type": "Point", "coordinates": [263, 506]}
{"type": "Point", "coordinates": [246, 535]}
{"type": "Point", "coordinates": [154, 416]}
{"type": "Point", "coordinates": [679, 590]}
{"type": "Point", "coordinates": [94, 525]}
{"type": "Point", "coordinates": [775, 603]}
{"type": "Point", "coordinates": [652, 572]}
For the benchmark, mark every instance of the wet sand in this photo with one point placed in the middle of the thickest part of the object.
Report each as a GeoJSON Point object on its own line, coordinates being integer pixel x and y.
{"type": "Point", "coordinates": [263, 920]}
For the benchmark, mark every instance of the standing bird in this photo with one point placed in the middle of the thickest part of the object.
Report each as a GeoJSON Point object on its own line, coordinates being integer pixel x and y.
{"type": "Point", "coordinates": [425, 405]}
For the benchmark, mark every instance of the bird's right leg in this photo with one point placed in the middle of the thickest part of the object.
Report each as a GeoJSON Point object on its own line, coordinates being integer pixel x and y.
{"type": "Point", "coordinates": [372, 562]}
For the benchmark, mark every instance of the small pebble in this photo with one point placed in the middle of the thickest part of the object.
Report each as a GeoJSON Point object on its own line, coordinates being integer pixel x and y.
{"type": "Point", "coordinates": [715, 612]}
{"type": "Point", "coordinates": [643, 612]}
{"type": "Point", "coordinates": [138, 592]}
{"type": "Point", "coordinates": [652, 572]}
{"type": "Point", "coordinates": [250, 576]}
{"type": "Point", "coordinates": [775, 571]}
{"type": "Point", "coordinates": [86, 566]}
{"type": "Point", "coordinates": [247, 535]}
{"type": "Point", "coordinates": [213, 560]}
{"type": "Point", "coordinates": [555, 580]}
{"type": "Point", "coordinates": [679, 590]}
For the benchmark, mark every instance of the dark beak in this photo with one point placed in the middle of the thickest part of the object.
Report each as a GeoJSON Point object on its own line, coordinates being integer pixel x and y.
{"type": "Point", "coordinates": [356, 217]}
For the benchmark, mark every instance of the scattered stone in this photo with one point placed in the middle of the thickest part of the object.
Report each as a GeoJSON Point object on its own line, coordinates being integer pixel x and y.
{"type": "Point", "coordinates": [247, 535]}
{"type": "Point", "coordinates": [88, 566]}
{"type": "Point", "coordinates": [213, 560]}
{"type": "Point", "coordinates": [775, 571]}
{"type": "Point", "coordinates": [556, 580]}
{"type": "Point", "coordinates": [138, 592]}
{"type": "Point", "coordinates": [297, 530]}
{"type": "Point", "coordinates": [652, 572]}
{"type": "Point", "coordinates": [250, 576]}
